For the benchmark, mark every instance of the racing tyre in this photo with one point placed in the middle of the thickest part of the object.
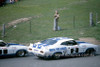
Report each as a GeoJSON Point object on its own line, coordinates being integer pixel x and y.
{"type": "Point", "coordinates": [21, 53]}
{"type": "Point", "coordinates": [56, 55]}
{"type": "Point", "coordinates": [91, 52]}
{"type": "Point", "coordinates": [40, 57]}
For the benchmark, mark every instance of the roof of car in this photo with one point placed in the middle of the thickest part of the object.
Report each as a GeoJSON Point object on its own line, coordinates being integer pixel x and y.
{"type": "Point", "coordinates": [1, 41]}
{"type": "Point", "coordinates": [61, 38]}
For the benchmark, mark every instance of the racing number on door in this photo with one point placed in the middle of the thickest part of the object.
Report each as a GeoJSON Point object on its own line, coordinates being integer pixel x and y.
{"type": "Point", "coordinates": [76, 50]}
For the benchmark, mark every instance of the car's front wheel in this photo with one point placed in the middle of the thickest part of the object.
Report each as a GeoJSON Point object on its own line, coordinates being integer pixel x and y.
{"type": "Point", "coordinates": [21, 53]}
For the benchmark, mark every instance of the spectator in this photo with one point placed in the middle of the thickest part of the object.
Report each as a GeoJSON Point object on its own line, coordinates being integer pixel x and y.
{"type": "Point", "coordinates": [56, 17]}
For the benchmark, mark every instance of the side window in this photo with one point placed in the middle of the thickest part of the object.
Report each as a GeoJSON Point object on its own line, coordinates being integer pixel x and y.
{"type": "Point", "coordinates": [2, 44]}
{"type": "Point", "coordinates": [72, 42]}
{"type": "Point", "coordinates": [64, 43]}
{"type": "Point", "coordinates": [69, 43]}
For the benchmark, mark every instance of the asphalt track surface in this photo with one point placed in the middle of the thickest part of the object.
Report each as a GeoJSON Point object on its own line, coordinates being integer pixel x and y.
{"type": "Point", "coordinates": [33, 61]}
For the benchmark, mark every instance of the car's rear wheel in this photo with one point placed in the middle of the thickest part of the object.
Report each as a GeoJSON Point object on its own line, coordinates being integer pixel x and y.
{"type": "Point", "coordinates": [90, 52]}
{"type": "Point", "coordinates": [57, 55]}
{"type": "Point", "coordinates": [21, 53]}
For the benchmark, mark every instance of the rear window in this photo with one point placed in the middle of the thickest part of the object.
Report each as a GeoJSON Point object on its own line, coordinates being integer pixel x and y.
{"type": "Point", "coordinates": [49, 42]}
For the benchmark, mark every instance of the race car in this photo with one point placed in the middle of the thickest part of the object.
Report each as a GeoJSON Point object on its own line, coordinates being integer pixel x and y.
{"type": "Point", "coordinates": [62, 47]}
{"type": "Point", "coordinates": [12, 49]}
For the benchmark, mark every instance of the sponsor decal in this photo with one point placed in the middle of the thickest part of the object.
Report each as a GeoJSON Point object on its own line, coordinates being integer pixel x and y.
{"type": "Point", "coordinates": [13, 47]}
{"type": "Point", "coordinates": [4, 48]}
{"type": "Point", "coordinates": [84, 46]}
{"type": "Point", "coordinates": [35, 50]}
{"type": "Point", "coordinates": [57, 49]}
{"type": "Point", "coordinates": [64, 48]}
{"type": "Point", "coordinates": [51, 50]}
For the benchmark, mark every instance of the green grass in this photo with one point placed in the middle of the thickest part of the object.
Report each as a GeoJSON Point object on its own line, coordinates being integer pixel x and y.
{"type": "Point", "coordinates": [42, 26]}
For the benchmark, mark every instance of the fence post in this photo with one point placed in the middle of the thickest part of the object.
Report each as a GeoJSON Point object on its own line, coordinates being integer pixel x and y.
{"type": "Point", "coordinates": [73, 21]}
{"type": "Point", "coordinates": [3, 30]}
{"type": "Point", "coordinates": [96, 18]}
{"type": "Point", "coordinates": [91, 19]}
{"type": "Point", "coordinates": [30, 26]}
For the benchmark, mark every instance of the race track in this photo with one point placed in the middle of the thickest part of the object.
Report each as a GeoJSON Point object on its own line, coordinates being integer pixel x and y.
{"type": "Point", "coordinates": [33, 61]}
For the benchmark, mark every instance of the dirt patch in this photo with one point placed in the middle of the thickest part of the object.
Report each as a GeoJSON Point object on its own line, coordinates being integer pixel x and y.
{"type": "Point", "coordinates": [18, 21]}
{"type": "Point", "coordinates": [12, 23]}
{"type": "Point", "coordinates": [90, 40]}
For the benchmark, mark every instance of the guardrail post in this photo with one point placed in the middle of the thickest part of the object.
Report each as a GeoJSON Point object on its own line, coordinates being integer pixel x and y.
{"type": "Point", "coordinates": [30, 26]}
{"type": "Point", "coordinates": [91, 19]}
{"type": "Point", "coordinates": [73, 21]}
{"type": "Point", "coordinates": [96, 18]}
{"type": "Point", "coordinates": [3, 30]}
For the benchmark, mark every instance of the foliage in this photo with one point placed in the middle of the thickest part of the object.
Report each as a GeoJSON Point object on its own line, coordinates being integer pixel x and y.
{"type": "Point", "coordinates": [42, 24]}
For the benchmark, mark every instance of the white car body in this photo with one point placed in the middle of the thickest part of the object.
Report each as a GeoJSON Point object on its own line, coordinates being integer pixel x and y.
{"type": "Point", "coordinates": [12, 49]}
{"type": "Point", "coordinates": [62, 46]}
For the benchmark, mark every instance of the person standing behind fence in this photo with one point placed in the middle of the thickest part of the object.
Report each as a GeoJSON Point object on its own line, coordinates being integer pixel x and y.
{"type": "Point", "coordinates": [56, 18]}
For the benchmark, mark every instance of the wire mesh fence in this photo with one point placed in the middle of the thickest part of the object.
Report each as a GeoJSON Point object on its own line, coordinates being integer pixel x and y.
{"type": "Point", "coordinates": [35, 28]}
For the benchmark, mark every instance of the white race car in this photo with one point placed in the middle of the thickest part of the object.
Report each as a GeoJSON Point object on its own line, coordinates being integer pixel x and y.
{"type": "Point", "coordinates": [12, 49]}
{"type": "Point", "coordinates": [62, 46]}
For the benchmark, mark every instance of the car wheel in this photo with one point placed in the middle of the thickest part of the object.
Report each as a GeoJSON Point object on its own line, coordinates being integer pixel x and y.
{"type": "Point", "coordinates": [56, 56]}
{"type": "Point", "coordinates": [21, 53]}
{"type": "Point", "coordinates": [90, 52]}
{"type": "Point", "coordinates": [40, 57]}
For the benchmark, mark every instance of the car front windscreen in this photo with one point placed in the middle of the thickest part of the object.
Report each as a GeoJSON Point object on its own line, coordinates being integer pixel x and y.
{"type": "Point", "coordinates": [49, 42]}
{"type": "Point", "coordinates": [2, 44]}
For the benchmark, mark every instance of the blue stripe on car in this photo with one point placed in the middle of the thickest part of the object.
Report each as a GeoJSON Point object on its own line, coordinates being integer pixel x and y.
{"type": "Point", "coordinates": [64, 48]}
{"type": "Point", "coordinates": [51, 50]}
{"type": "Point", "coordinates": [57, 49]}
{"type": "Point", "coordinates": [79, 42]}
{"type": "Point", "coordinates": [34, 45]}
{"type": "Point", "coordinates": [39, 45]}
{"type": "Point", "coordinates": [15, 44]}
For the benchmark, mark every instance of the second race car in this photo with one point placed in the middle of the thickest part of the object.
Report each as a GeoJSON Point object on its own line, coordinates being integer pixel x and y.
{"type": "Point", "coordinates": [62, 46]}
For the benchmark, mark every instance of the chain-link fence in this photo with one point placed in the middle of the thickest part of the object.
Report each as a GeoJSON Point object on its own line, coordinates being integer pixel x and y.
{"type": "Point", "coordinates": [38, 29]}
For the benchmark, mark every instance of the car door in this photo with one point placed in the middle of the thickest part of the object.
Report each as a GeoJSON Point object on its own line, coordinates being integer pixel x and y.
{"type": "Point", "coordinates": [72, 47]}
{"type": "Point", "coordinates": [75, 47]}
{"type": "Point", "coordinates": [69, 47]}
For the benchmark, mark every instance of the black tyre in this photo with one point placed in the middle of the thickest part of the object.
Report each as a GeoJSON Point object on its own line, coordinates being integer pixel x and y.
{"type": "Point", "coordinates": [91, 52]}
{"type": "Point", "coordinates": [57, 55]}
{"type": "Point", "coordinates": [21, 53]}
{"type": "Point", "coordinates": [40, 57]}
